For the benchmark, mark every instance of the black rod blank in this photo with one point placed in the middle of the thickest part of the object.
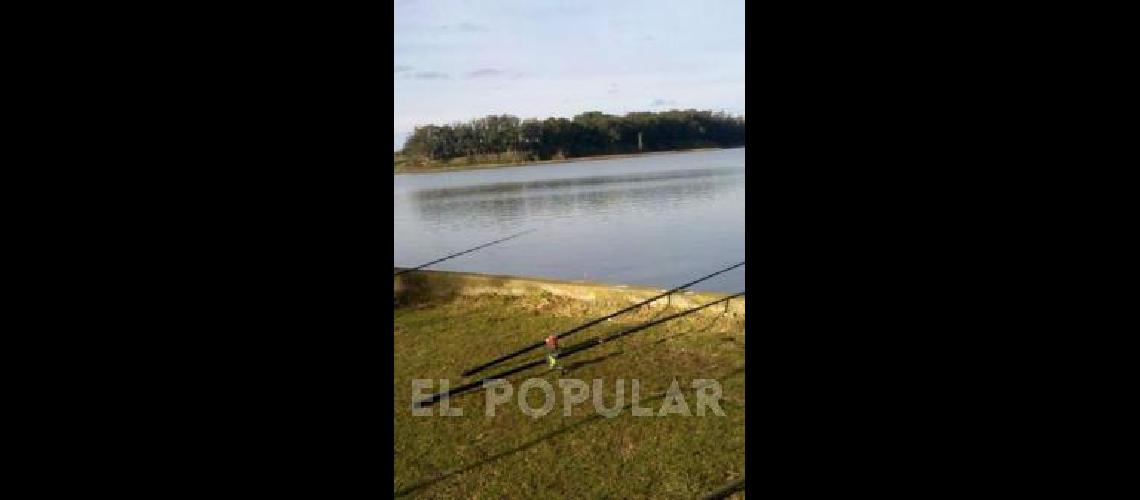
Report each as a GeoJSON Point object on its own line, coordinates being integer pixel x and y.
{"type": "Point", "coordinates": [725, 491]}
{"type": "Point", "coordinates": [476, 384]}
{"type": "Point", "coordinates": [601, 340]}
{"type": "Point", "coordinates": [402, 271]}
{"type": "Point", "coordinates": [584, 326]}
{"type": "Point", "coordinates": [435, 398]}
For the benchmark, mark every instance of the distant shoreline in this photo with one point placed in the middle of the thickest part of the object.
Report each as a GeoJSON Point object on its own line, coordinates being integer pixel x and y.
{"type": "Point", "coordinates": [438, 169]}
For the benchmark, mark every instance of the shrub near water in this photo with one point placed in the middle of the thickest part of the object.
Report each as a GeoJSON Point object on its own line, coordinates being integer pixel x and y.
{"type": "Point", "coordinates": [506, 139]}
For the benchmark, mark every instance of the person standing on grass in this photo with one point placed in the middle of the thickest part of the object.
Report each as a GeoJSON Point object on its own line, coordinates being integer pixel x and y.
{"type": "Point", "coordinates": [552, 352]}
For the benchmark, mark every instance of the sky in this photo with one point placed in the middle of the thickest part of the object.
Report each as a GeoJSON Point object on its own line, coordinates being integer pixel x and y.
{"type": "Point", "coordinates": [456, 60]}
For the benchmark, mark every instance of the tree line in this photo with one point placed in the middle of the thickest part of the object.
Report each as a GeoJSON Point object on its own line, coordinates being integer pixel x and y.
{"type": "Point", "coordinates": [587, 134]}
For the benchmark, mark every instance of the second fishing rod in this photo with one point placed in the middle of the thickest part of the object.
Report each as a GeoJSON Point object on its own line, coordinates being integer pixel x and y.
{"type": "Point", "coordinates": [457, 254]}
{"type": "Point", "coordinates": [588, 344]}
{"type": "Point", "coordinates": [579, 328]}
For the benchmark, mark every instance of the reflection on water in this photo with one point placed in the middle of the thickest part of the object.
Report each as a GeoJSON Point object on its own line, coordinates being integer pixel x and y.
{"type": "Point", "coordinates": [501, 188]}
{"type": "Point", "coordinates": [658, 220]}
{"type": "Point", "coordinates": [567, 197]}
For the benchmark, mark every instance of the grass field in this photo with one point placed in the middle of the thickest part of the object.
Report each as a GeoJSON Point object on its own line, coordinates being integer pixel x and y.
{"type": "Point", "coordinates": [405, 164]}
{"type": "Point", "coordinates": [585, 455]}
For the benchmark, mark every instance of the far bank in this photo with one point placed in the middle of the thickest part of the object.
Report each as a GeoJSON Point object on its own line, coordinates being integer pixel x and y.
{"type": "Point", "coordinates": [461, 164]}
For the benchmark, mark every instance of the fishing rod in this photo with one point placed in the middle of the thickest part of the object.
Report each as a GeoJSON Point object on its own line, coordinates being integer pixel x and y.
{"type": "Point", "coordinates": [435, 398]}
{"type": "Point", "coordinates": [725, 491]}
{"type": "Point", "coordinates": [601, 340]}
{"type": "Point", "coordinates": [579, 328]}
{"type": "Point", "coordinates": [402, 271]}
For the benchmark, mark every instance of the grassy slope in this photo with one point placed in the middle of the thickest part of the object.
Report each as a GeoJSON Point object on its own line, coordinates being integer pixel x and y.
{"type": "Point", "coordinates": [581, 456]}
{"type": "Point", "coordinates": [404, 164]}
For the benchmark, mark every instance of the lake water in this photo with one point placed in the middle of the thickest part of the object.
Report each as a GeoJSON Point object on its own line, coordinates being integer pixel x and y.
{"type": "Point", "coordinates": [656, 220]}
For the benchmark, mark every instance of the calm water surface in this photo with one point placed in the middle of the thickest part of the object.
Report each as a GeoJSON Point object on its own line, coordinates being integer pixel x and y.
{"type": "Point", "coordinates": [656, 220]}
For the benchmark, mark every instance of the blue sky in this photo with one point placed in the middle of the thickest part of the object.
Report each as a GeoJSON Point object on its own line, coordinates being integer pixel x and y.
{"type": "Point", "coordinates": [456, 60]}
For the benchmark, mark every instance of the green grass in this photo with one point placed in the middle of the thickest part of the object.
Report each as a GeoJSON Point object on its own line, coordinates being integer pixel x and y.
{"type": "Point", "coordinates": [405, 164]}
{"type": "Point", "coordinates": [584, 455]}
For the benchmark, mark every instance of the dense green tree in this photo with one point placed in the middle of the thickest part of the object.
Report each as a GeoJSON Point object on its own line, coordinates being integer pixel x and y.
{"type": "Point", "coordinates": [590, 133]}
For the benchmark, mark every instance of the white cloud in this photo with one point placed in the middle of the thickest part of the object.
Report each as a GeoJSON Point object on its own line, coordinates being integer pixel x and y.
{"type": "Point", "coordinates": [481, 72]}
